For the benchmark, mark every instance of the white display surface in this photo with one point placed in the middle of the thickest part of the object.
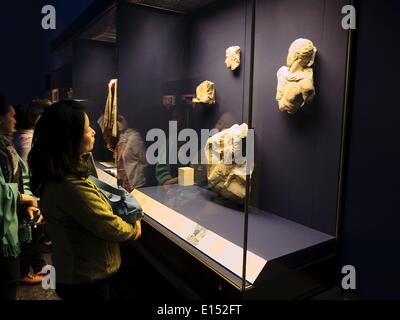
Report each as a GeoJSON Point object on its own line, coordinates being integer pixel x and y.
{"type": "Point", "coordinates": [216, 247]}
{"type": "Point", "coordinates": [105, 177]}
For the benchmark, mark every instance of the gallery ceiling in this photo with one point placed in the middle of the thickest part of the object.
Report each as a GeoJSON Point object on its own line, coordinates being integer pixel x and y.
{"type": "Point", "coordinates": [104, 28]}
{"type": "Point", "coordinates": [183, 6]}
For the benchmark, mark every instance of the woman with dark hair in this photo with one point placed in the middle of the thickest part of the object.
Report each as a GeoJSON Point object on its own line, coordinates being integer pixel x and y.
{"type": "Point", "coordinates": [17, 206]}
{"type": "Point", "coordinates": [85, 232]}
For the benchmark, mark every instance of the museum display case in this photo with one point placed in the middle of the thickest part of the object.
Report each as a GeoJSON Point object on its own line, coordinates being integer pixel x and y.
{"type": "Point", "coordinates": [251, 209]}
{"type": "Point", "coordinates": [271, 77]}
{"type": "Point", "coordinates": [176, 72]}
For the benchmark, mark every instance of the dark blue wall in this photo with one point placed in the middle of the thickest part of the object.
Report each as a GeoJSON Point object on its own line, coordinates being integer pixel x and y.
{"type": "Point", "coordinates": [371, 213]}
{"type": "Point", "coordinates": [297, 161]}
{"type": "Point", "coordinates": [163, 53]}
{"type": "Point", "coordinates": [25, 48]}
{"type": "Point", "coordinates": [67, 11]}
{"type": "Point", "coordinates": [151, 52]}
{"type": "Point", "coordinates": [22, 56]}
{"type": "Point", "coordinates": [157, 48]}
{"type": "Point", "coordinates": [93, 66]}
{"type": "Point", "coordinates": [212, 30]}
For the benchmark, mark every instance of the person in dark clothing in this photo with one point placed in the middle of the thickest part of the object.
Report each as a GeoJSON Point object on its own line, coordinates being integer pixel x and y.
{"type": "Point", "coordinates": [31, 255]}
{"type": "Point", "coordinates": [18, 208]}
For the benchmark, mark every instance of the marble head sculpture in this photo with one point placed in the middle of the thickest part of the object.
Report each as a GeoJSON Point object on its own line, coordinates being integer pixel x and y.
{"type": "Point", "coordinates": [296, 80]}
{"type": "Point", "coordinates": [233, 58]}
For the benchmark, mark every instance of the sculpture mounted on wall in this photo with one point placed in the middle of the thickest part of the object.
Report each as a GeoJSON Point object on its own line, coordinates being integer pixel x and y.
{"type": "Point", "coordinates": [110, 125]}
{"type": "Point", "coordinates": [228, 179]}
{"type": "Point", "coordinates": [233, 58]}
{"type": "Point", "coordinates": [296, 80]}
{"type": "Point", "coordinates": [205, 93]}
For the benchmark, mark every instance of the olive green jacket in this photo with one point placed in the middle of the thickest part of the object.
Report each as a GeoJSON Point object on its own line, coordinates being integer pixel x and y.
{"type": "Point", "coordinates": [84, 231]}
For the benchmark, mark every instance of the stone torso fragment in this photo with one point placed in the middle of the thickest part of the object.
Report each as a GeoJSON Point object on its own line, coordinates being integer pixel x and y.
{"type": "Point", "coordinates": [296, 80]}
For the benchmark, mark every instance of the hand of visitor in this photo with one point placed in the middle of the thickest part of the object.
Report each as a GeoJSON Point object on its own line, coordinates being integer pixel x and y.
{"type": "Point", "coordinates": [171, 182]}
{"type": "Point", "coordinates": [34, 215]}
{"type": "Point", "coordinates": [28, 200]}
{"type": "Point", "coordinates": [138, 227]}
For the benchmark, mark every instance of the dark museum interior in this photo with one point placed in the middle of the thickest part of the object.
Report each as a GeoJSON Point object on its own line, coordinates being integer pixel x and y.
{"type": "Point", "coordinates": [315, 219]}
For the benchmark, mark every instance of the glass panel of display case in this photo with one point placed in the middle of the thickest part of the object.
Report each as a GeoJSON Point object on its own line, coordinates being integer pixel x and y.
{"type": "Point", "coordinates": [182, 106]}
{"type": "Point", "coordinates": [213, 93]}
{"type": "Point", "coordinates": [92, 59]}
{"type": "Point", "coordinates": [299, 85]}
